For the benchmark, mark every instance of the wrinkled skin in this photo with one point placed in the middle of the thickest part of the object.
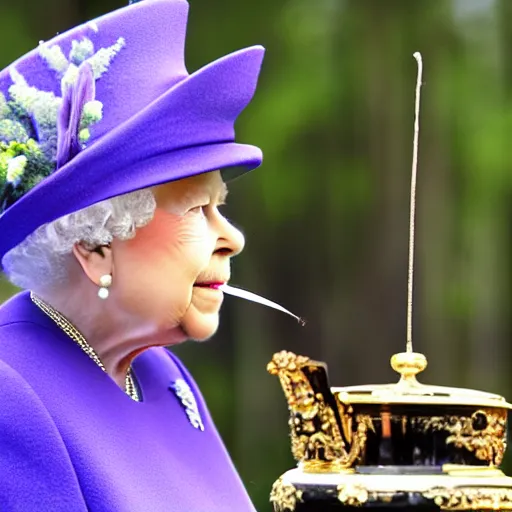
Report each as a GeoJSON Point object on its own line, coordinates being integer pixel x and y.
{"type": "Point", "coordinates": [188, 241]}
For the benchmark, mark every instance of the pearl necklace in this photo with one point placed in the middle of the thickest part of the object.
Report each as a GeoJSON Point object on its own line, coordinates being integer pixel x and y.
{"type": "Point", "coordinates": [67, 327]}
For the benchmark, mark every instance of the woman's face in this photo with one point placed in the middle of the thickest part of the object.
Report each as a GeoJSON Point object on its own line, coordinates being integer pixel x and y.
{"type": "Point", "coordinates": [161, 276]}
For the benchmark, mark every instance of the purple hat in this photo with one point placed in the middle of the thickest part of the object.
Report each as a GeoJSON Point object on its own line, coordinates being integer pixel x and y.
{"type": "Point", "coordinates": [107, 108]}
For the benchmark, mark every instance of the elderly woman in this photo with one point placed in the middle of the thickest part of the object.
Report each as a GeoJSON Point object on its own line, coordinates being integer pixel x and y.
{"type": "Point", "coordinates": [113, 162]}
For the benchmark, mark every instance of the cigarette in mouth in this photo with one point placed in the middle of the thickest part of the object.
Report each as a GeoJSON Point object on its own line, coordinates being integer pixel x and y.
{"type": "Point", "coordinates": [243, 294]}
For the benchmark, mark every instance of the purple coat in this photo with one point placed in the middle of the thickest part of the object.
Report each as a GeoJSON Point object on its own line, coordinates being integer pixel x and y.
{"type": "Point", "coordinates": [72, 440]}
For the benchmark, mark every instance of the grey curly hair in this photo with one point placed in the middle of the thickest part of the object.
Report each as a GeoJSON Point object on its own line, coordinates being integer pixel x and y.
{"type": "Point", "coordinates": [40, 260]}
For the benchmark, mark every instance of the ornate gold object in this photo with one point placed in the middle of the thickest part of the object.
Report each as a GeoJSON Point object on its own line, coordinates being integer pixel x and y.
{"type": "Point", "coordinates": [322, 466]}
{"type": "Point", "coordinates": [317, 440]}
{"type": "Point", "coordinates": [284, 496]}
{"type": "Point", "coordinates": [408, 365]}
{"type": "Point", "coordinates": [483, 433]}
{"type": "Point", "coordinates": [405, 444]}
{"type": "Point", "coordinates": [352, 495]}
{"type": "Point", "coordinates": [67, 327]}
{"type": "Point", "coordinates": [470, 498]}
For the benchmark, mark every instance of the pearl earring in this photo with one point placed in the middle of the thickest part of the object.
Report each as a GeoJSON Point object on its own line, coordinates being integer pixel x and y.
{"type": "Point", "coordinates": [105, 282]}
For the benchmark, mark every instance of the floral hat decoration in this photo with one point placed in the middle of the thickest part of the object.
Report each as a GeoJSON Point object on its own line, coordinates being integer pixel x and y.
{"type": "Point", "coordinates": [108, 108]}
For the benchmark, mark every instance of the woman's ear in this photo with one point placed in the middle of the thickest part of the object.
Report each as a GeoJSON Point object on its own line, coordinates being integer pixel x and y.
{"type": "Point", "coordinates": [95, 262]}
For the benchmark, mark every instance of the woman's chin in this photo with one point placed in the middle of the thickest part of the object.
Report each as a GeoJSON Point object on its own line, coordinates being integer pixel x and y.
{"type": "Point", "coordinates": [200, 326]}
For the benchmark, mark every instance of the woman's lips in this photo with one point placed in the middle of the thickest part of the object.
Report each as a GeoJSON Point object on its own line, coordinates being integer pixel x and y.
{"type": "Point", "coordinates": [215, 285]}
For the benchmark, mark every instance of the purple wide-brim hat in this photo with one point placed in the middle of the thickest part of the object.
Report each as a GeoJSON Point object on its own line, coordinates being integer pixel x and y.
{"type": "Point", "coordinates": [157, 122]}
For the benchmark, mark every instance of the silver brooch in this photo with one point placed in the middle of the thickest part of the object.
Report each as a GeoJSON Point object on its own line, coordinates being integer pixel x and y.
{"type": "Point", "coordinates": [188, 400]}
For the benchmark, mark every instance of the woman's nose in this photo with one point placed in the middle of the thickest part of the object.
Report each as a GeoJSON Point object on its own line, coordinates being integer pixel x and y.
{"type": "Point", "coordinates": [231, 241]}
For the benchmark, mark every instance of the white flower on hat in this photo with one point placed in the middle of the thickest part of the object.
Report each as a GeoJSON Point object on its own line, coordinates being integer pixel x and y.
{"type": "Point", "coordinates": [55, 58]}
{"type": "Point", "coordinates": [102, 59]}
{"type": "Point", "coordinates": [15, 169]}
{"type": "Point", "coordinates": [81, 50]}
{"type": "Point", "coordinates": [4, 107]}
{"type": "Point", "coordinates": [92, 113]}
{"type": "Point", "coordinates": [69, 77]}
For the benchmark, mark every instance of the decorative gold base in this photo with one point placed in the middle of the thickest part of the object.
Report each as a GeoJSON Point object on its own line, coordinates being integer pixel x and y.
{"type": "Point", "coordinates": [471, 498]}
{"type": "Point", "coordinates": [462, 488]}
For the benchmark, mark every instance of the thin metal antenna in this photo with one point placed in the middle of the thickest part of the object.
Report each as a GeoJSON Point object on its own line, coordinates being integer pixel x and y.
{"type": "Point", "coordinates": [417, 56]}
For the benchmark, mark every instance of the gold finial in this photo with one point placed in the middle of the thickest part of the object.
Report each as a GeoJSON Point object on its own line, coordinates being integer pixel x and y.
{"type": "Point", "coordinates": [408, 365]}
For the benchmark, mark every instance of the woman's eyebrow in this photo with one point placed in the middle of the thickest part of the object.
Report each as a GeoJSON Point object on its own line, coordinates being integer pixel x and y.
{"type": "Point", "coordinates": [196, 194]}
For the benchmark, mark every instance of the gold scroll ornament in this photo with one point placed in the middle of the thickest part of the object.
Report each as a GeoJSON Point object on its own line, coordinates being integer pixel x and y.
{"type": "Point", "coordinates": [284, 496]}
{"type": "Point", "coordinates": [483, 433]}
{"type": "Point", "coordinates": [316, 436]}
{"type": "Point", "coordinates": [471, 498]}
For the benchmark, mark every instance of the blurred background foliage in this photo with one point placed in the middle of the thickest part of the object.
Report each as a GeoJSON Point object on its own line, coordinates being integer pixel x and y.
{"type": "Point", "coordinates": [326, 217]}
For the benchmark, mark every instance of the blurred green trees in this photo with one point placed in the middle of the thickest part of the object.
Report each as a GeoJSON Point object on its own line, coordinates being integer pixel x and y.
{"type": "Point", "coordinates": [326, 218]}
